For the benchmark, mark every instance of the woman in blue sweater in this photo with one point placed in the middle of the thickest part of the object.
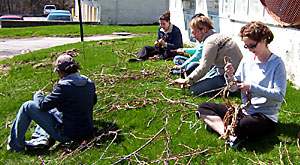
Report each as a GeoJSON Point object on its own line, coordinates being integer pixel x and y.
{"type": "Point", "coordinates": [263, 76]}
{"type": "Point", "coordinates": [168, 39]}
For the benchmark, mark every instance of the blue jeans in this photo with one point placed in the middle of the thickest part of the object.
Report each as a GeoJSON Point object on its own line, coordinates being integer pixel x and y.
{"type": "Point", "coordinates": [179, 60]}
{"type": "Point", "coordinates": [212, 80]}
{"type": "Point", "coordinates": [28, 112]}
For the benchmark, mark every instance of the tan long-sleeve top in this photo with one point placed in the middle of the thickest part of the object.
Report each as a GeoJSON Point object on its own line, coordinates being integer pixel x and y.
{"type": "Point", "coordinates": [215, 47]}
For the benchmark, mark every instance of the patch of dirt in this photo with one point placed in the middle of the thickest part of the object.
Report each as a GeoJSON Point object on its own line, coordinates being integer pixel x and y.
{"type": "Point", "coordinates": [72, 52]}
{"type": "Point", "coordinates": [4, 69]}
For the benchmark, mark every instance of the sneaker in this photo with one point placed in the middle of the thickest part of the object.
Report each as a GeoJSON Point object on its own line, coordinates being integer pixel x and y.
{"type": "Point", "coordinates": [35, 136]}
{"type": "Point", "coordinates": [134, 60]}
{"type": "Point", "coordinates": [198, 114]}
{"type": "Point", "coordinates": [176, 72]}
{"type": "Point", "coordinates": [38, 143]}
{"type": "Point", "coordinates": [234, 142]}
{"type": "Point", "coordinates": [8, 148]}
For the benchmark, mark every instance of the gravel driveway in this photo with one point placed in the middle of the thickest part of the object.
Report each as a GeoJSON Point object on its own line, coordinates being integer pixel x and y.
{"type": "Point", "coordinates": [13, 47]}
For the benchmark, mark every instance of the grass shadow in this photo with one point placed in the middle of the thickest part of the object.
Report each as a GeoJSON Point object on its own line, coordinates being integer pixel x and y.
{"type": "Point", "coordinates": [101, 136]}
{"type": "Point", "coordinates": [267, 143]}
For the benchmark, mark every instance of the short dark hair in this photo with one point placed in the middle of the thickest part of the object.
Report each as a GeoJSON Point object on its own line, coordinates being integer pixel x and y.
{"type": "Point", "coordinates": [257, 31]}
{"type": "Point", "coordinates": [198, 15]}
{"type": "Point", "coordinates": [165, 16]}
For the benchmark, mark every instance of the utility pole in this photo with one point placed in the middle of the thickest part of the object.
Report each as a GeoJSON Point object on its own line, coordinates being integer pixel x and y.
{"type": "Point", "coordinates": [80, 20]}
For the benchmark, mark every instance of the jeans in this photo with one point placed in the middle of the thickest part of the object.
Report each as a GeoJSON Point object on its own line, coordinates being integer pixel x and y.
{"type": "Point", "coordinates": [39, 131]}
{"type": "Point", "coordinates": [179, 60]}
{"type": "Point", "coordinates": [28, 112]}
{"type": "Point", "coordinates": [212, 80]}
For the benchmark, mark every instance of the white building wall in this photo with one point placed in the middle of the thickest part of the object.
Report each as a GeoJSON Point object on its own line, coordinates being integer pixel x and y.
{"type": "Point", "coordinates": [122, 11]}
{"type": "Point", "coordinates": [232, 15]}
{"type": "Point", "coordinates": [132, 11]}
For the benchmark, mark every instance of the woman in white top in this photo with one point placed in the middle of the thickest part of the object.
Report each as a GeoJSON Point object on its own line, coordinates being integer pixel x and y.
{"type": "Point", "coordinates": [264, 76]}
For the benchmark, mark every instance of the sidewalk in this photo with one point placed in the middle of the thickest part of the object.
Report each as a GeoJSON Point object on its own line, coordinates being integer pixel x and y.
{"type": "Point", "coordinates": [13, 47]}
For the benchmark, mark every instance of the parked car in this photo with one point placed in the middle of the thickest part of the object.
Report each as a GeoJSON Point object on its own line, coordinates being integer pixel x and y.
{"type": "Point", "coordinates": [49, 8]}
{"type": "Point", "coordinates": [10, 17]}
{"type": "Point", "coordinates": [61, 11]}
{"type": "Point", "coordinates": [53, 16]}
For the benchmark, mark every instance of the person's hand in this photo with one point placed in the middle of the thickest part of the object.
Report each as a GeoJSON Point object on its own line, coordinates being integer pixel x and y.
{"type": "Point", "coordinates": [176, 67]}
{"type": "Point", "coordinates": [155, 57]}
{"type": "Point", "coordinates": [41, 91]}
{"type": "Point", "coordinates": [182, 82]}
{"type": "Point", "coordinates": [162, 42]}
{"type": "Point", "coordinates": [229, 70]}
{"type": "Point", "coordinates": [156, 43]}
{"type": "Point", "coordinates": [180, 50]}
{"type": "Point", "coordinates": [243, 87]}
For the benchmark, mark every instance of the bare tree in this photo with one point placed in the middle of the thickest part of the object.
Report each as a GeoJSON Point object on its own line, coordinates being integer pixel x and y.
{"type": "Point", "coordinates": [32, 6]}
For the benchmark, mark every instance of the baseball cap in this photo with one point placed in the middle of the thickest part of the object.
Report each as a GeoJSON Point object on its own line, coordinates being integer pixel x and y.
{"type": "Point", "coordinates": [63, 61]}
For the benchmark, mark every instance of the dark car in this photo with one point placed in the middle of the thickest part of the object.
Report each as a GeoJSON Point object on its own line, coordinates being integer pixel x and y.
{"type": "Point", "coordinates": [10, 17]}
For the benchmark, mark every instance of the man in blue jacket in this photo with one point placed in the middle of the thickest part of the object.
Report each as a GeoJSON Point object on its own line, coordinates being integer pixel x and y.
{"type": "Point", "coordinates": [74, 96]}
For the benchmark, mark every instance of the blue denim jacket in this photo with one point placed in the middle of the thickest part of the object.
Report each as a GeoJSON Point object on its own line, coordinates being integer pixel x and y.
{"type": "Point", "coordinates": [74, 96]}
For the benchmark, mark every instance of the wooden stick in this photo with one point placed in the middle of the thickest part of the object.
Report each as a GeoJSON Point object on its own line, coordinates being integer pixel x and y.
{"type": "Point", "coordinates": [280, 154]}
{"type": "Point", "coordinates": [148, 142]}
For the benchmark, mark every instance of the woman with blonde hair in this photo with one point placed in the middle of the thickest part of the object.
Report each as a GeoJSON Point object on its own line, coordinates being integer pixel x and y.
{"type": "Point", "coordinates": [216, 47]}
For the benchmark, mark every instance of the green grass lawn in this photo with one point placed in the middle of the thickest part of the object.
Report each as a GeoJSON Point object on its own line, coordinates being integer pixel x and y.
{"type": "Point", "coordinates": [72, 30]}
{"type": "Point", "coordinates": [135, 103]}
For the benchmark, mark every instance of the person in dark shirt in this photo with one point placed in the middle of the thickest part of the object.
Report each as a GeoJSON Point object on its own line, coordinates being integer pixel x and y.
{"type": "Point", "coordinates": [74, 96]}
{"type": "Point", "coordinates": [169, 39]}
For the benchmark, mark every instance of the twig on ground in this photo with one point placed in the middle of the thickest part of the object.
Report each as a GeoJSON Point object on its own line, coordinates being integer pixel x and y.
{"type": "Point", "coordinates": [298, 144]}
{"type": "Point", "coordinates": [150, 121]}
{"type": "Point", "coordinates": [258, 158]}
{"type": "Point", "coordinates": [111, 132]}
{"type": "Point", "coordinates": [3, 143]}
{"type": "Point", "coordinates": [287, 152]}
{"type": "Point", "coordinates": [178, 129]}
{"type": "Point", "coordinates": [177, 157]}
{"type": "Point", "coordinates": [280, 154]}
{"type": "Point", "coordinates": [175, 102]}
{"type": "Point", "coordinates": [142, 145]}
{"type": "Point", "coordinates": [254, 162]}
{"type": "Point", "coordinates": [189, 148]}
{"type": "Point", "coordinates": [290, 112]}
{"type": "Point", "coordinates": [213, 90]}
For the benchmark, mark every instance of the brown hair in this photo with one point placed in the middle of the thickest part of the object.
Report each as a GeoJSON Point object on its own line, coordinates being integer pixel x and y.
{"type": "Point", "coordinates": [257, 31]}
{"type": "Point", "coordinates": [165, 16]}
{"type": "Point", "coordinates": [201, 22]}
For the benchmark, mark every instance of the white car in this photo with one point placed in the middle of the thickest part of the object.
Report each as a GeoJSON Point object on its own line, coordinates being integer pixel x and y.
{"type": "Point", "coordinates": [49, 8]}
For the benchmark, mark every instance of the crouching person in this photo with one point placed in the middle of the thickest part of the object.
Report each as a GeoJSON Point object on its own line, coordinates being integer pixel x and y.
{"type": "Point", "coordinates": [74, 96]}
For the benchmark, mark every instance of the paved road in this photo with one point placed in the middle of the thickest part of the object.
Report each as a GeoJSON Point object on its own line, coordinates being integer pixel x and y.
{"type": "Point", "coordinates": [13, 47]}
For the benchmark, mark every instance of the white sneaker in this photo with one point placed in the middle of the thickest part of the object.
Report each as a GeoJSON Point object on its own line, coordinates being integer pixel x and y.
{"type": "Point", "coordinates": [234, 142]}
{"type": "Point", "coordinates": [8, 148]}
{"type": "Point", "coordinates": [198, 114]}
{"type": "Point", "coordinates": [38, 143]}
